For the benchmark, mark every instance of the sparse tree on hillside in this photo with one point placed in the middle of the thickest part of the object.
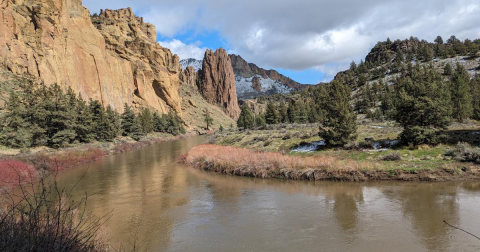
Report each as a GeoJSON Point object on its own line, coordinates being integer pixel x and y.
{"type": "Point", "coordinates": [439, 40]}
{"type": "Point", "coordinates": [340, 125]}
{"type": "Point", "coordinates": [208, 119]}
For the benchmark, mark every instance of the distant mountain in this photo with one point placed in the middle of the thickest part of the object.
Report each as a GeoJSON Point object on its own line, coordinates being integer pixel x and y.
{"type": "Point", "coordinates": [252, 81]}
{"type": "Point", "coordinates": [196, 64]}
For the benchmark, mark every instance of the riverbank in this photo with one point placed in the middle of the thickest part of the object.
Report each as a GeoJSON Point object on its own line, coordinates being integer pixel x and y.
{"type": "Point", "coordinates": [260, 164]}
{"type": "Point", "coordinates": [24, 166]}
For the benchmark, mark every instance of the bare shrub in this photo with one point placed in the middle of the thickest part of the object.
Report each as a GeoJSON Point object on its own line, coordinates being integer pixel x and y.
{"type": "Point", "coordinates": [44, 218]}
{"type": "Point", "coordinates": [464, 152]}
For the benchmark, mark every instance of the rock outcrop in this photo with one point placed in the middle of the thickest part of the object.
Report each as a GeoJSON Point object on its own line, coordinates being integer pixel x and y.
{"type": "Point", "coordinates": [216, 82]}
{"type": "Point", "coordinates": [115, 61]}
{"type": "Point", "coordinates": [189, 76]}
{"type": "Point", "coordinates": [256, 84]}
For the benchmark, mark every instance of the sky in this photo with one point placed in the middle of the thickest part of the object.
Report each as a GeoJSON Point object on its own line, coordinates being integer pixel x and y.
{"type": "Point", "coordinates": [307, 40]}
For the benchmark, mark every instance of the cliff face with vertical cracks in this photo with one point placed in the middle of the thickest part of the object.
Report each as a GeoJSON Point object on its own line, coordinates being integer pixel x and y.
{"type": "Point", "coordinates": [216, 82]}
{"type": "Point", "coordinates": [115, 61]}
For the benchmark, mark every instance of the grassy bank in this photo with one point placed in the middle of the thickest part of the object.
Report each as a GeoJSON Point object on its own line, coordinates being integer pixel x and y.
{"type": "Point", "coordinates": [23, 166]}
{"type": "Point", "coordinates": [267, 154]}
{"type": "Point", "coordinates": [259, 164]}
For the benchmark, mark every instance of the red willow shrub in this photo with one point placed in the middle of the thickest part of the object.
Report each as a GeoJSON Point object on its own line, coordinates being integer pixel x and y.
{"type": "Point", "coordinates": [14, 172]}
{"type": "Point", "coordinates": [66, 159]}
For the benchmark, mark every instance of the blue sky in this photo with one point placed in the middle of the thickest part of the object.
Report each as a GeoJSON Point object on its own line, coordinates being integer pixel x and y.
{"type": "Point", "coordinates": [213, 40]}
{"type": "Point", "coordinates": [307, 40]}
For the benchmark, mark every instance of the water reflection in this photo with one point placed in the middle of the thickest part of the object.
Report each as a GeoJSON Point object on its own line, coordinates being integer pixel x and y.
{"type": "Point", "coordinates": [173, 208]}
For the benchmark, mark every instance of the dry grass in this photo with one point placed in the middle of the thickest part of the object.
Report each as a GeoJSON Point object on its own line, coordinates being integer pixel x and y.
{"type": "Point", "coordinates": [250, 163]}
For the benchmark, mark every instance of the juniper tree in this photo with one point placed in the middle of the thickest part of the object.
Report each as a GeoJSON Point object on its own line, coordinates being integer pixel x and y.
{"type": "Point", "coordinates": [260, 121]}
{"type": "Point", "coordinates": [461, 94]}
{"type": "Point", "coordinates": [146, 120]}
{"type": "Point", "coordinates": [339, 127]}
{"type": "Point", "coordinates": [271, 114]}
{"type": "Point", "coordinates": [16, 132]}
{"type": "Point", "coordinates": [422, 106]}
{"type": "Point", "coordinates": [283, 112]}
{"type": "Point", "coordinates": [207, 118]}
{"type": "Point", "coordinates": [475, 90]}
{"type": "Point", "coordinates": [246, 119]}
{"type": "Point", "coordinates": [159, 123]}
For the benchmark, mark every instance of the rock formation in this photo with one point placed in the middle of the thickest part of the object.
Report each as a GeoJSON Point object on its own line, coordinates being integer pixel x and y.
{"type": "Point", "coordinates": [216, 82]}
{"type": "Point", "coordinates": [115, 61]}
{"type": "Point", "coordinates": [189, 76]}
{"type": "Point", "coordinates": [256, 84]}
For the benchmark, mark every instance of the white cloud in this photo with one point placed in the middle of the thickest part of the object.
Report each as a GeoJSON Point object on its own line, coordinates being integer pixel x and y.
{"type": "Point", "coordinates": [304, 34]}
{"type": "Point", "coordinates": [185, 51]}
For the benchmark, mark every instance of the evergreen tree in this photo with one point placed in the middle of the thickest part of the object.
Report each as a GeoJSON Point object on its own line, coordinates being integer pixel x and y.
{"type": "Point", "coordinates": [160, 123]}
{"type": "Point", "coordinates": [246, 119]}
{"type": "Point", "coordinates": [340, 125]}
{"type": "Point", "coordinates": [302, 112]}
{"type": "Point", "coordinates": [16, 132]}
{"type": "Point", "coordinates": [283, 112]}
{"type": "Point", "coordinates": [448, 70]}
{"type": "Point", "coordinates": [174, 124]}
{"type": "Point", "coordinates": [461, 94]}
{"type": "Point", "coordinates": [475, 90]}
{"type": "Point", "coordinates": [136, 132]}
{"type": "Point", "coordinates": [422, 106]}
{"type": "Point", "coordinates": [131, 125]}
{"type": "Point", "coordinates": [83, 125]}
{"type": "Point", "coordinates": [439, 40]}
{"type": "Point", "coordinates": [260, 121]}
{"type": "Point", "coordinates": [271, 114]}
{"type": "Point", "coordinates": [292, 111]}
{"type": "Point", "coordinates": [208, 118]}
{"type": "Point", "coordinates": [146, 120]}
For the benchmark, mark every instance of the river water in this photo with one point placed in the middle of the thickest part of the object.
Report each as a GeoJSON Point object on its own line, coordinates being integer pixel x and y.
{"type": "Point", "coordinates": [169, 207]}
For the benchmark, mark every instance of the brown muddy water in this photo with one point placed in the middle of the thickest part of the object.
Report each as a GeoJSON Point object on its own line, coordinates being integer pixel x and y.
{"type": "Point", "coordinates": [169, 207]}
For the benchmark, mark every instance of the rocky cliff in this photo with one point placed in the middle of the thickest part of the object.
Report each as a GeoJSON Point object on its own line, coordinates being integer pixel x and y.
{"type": "Point", "coordinates": [115, 61]}
{"type": "Point", "coordinates": [216, 82]}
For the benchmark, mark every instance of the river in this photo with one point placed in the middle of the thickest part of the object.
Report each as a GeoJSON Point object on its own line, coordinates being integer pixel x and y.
{"type": "Point", "coordinates": [169, 207]}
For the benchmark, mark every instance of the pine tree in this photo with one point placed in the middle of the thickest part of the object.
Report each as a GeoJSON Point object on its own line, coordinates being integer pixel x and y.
{"type": "Point", "coordinates": [246, 119]}
{"type": "Point", "coordinates": [15, 132]}
{"type": "Point", "coordinates": [208, 118]}
{"type": "Point", "coordinates": [283, 112]}
{"type": "Point", "coordinates": [260, 121]}
{"type": "Point", "coordinates": [136, 132]}
{"type": "Point", "coordinates": [340, 125]}
{"type": "Point", "coordinates": [160, 123]}
{"type": "Point", "coordinates": [291, 111]}
{"type": "Point", "coordinates": [461, 94]}
{"type": "Point", "coordinates": [475, 88]}
{"type": "Point", "coordinates": [129, 122]}
{"type": "Point", "coordinates": [83, 125]}
{"type": "Point", "coordinates": [448, 70]}
{"type": "Point", "coordinates": [146, 119]}
{"type": "Point", "coordinates": [422, 106]}
{"type": "Point", "coordinates": [271, 114]}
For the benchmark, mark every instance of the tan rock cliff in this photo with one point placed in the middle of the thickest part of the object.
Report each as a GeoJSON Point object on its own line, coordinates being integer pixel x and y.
{"type": "Point", "coordinates": [216, 82]}
{"type": "Point", "coordinates": [120, 62]}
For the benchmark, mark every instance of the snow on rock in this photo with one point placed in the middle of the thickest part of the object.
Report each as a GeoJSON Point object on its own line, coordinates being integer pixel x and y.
{"type": "Point", "coordinates": [268, 87]}
{"type": "Point", "coordinates": [196, 64]}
